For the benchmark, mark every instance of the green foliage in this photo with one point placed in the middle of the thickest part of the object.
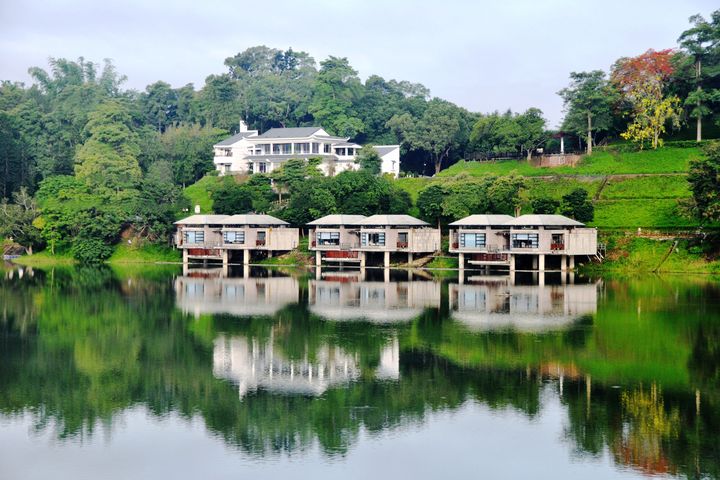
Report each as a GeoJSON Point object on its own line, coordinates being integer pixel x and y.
{"type": "Point", "coordinates": [544, 205]}
{"type": "Point", "coordinates": [189, 150]}
{"type": "Point", "coordinates": [508, 132]}
{"type": "Point", "coordinates": [310, 201]}
{"type": "Point", "coordinates": [90, 250]}
{"type": "Point", "coordinates": [17, 220]}
{"type": "Point", "coordinates": [577, 205]}
{"type": "Point", "coordinates": [704, 179]}
{"type": "Point", "coordinates": [230, 198]}
{"type": "Point", "coordinates": [430, 202]}
{"type": "Point", "coordinates": [369, 160]}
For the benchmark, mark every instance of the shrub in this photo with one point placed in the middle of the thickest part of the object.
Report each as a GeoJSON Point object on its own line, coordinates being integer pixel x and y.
{"type": "Point", "coordinates": [90, 250]}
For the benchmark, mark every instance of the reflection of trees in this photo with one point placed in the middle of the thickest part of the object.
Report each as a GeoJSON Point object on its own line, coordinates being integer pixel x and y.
{"type": "Point", "coordinates": [80, 347]}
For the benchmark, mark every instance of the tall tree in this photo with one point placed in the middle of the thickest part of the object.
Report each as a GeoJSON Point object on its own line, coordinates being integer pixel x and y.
{"type": "Point", "coordinates": [588, 104]}
{"type": "Point", "coordinates": [337, 90]}
{"type": "Point", "coordinates": [701, 42]}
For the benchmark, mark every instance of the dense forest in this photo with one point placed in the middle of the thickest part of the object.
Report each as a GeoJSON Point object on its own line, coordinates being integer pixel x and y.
{"type": "Point", "coordinates": [84, 159]}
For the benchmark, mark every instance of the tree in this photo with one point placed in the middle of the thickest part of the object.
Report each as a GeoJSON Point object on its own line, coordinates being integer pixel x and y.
{"type": "Point", "coordinates": [531, 130]}
{"type": "Point", "coordinates": [544, 205]}
{"type": "Point", "coordinates": [430, 203]}
{"type": "Point", "coordinates": [577, 205]}
{"type": "Point", "coordinates": [159, 104]}
{"type": "Point", "coordinates": [311, 200]}
{"type": "Point", "coordinates": [336, 91]}
{"type": "Point", "coordinates": [230, 198]}
{"type": "Point", "coordinates": [521, 133]}
{"type": "Point", "coordinates": [504, 194]}
{"type": "Point", "coordinates": [701, 44]}
{"type": "Point", "coordinates": [17, 220]}
{"type": "Point", "coordinates": [108, 158]}
{"type": "Point", "coordinates": [369, 160]}
{"type": "Point", "coordinates": [652, 112]}
{"type": "Point", "coordinates": [436, 132]}
{"type": "Point", "coordinates": [588, 104]}
{"type": "Point", "coordinates": [189, 150]}
{"type": "Point", "coordinates": [704, 179]}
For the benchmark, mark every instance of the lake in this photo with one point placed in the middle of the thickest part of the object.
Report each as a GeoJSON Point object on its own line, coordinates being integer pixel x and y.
{"type": "Point", "coordinates": [156, 372]}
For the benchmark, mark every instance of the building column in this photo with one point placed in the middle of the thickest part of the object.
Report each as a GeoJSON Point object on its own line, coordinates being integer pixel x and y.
{"type": "Point", "coordinates": [386, 261]}
{"type": "Point", "coordinates": [461, 261]}
{"type": "Point", "coordinates": [571, 261]}
{"type": "Point", "coordinates": [541, 262]}
{"type": "Point", "coordinates": [318, 258]}
{"type": "Point", "coordinates": [534, 260]}
{"type": "Point", "coordinates": [246, 256]}
{"type": "Point", "coordinates": [269, 254]}
{"type": "Point", "coordinates": [512, 262]}
{"type": "Point", "coordinates": [541, 277]}
{"type": "Point", "coordinates": [563, 263]}
{"type": "Point", "coordinates": [185, 255]}
{"type": "Point", "coordinates": [318, 273]}
{"type": "Point", "coordinates": [387, 275]}
{"type": "Point", "coordinates": [363, 258]}
{"type": "Point", "coordinates": [410, 257]}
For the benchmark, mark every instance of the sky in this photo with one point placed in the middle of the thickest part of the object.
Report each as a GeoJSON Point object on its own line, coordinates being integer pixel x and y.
{"type": "Point", "coordinates": [482, 55]}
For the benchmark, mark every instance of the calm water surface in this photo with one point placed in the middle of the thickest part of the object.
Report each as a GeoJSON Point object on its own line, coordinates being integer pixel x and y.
{"type": "Point", "coordinates": [159, 373]}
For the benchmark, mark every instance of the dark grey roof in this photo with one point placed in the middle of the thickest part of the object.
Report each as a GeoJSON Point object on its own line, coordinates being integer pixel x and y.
{"type": "Point", "coordinates": [202, 220]}
{"type": "Point", "coordinates": [338, 220]}
{"type": "Point", "coordinates": [333, 139]}
{"type": "Point", "coordinates": [253, 219]}
{"type": "Point", "coordinates": [293, 132]}
{"type": "Point", "coordinates": [392, 220]}
{"type": "Point", "coordinates": [544, 221]}
{"type": "Point", "coordinates": [482, 220]}
{"type": "Point", "coordinates": [236, 138]}
{"type": "Point", "coordinates": [346, 144]}
{"type": "Point", "coordinates": [385, 149]}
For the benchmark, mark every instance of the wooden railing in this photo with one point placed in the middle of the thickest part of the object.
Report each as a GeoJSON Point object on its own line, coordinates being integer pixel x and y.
{"type": "Point", "coordinates": [402, 244]}
{"type": "Point", "coordinates": [259, 243]}
{"type": "Point", "coordinates": [557, 246]}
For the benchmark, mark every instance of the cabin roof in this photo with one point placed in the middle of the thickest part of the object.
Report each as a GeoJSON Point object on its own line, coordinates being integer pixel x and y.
{"type": "Point", "coordinates": [202, 220]}
{"type": "Point", "coordinates": [385, 149]}
{"type": "Point", "coordinates": [253, 219]}
{"type": "Point", "coordinates": [544, 221]}
{"type": "Point", "coordinates": [338, 220]}
{"type": "Point", "coordinates": [393, 220]}
{"type": "Point", "coordinates": [482, 220]}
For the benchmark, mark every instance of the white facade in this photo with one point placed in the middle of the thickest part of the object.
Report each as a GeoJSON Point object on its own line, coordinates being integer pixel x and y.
{"type": "Point", "coordinates": [251, 152]}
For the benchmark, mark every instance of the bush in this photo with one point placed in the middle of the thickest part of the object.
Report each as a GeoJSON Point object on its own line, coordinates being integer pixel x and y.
{"type": "Point", "coordinates": [577, 205]}
{"type": "Point", "coordinates": [90, 250]}
{"type": "Point", "coordinates": [544, 205]}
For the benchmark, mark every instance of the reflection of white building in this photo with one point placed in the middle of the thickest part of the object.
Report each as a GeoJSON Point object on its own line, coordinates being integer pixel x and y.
{"type": "Point", "coordinates": [254, 365]}
{"type": "Point", "coordinates": [501, 306]}
{"type": "Point", "coordinates": [235, 296]}
{"type": "Point", "coordinates": [380, 302]}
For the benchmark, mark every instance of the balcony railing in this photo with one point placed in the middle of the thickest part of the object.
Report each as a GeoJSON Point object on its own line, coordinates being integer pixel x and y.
{"type": "Point", "coordinates": [259, 243]}
{"type": "Point", "coordinates": [402, 244]}
{"type": "Point", "coordinates": [557, 246]}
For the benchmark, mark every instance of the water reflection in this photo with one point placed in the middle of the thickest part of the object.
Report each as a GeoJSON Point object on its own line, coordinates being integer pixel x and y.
{"type": "Point", "coordinates": [269, 363]}
{"type": "Point", "coordinates": [497, 303]}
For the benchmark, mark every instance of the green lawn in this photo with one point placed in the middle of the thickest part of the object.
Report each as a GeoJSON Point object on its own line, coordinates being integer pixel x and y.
{"type": "Point", "coordinates": [665, 186]}
{"type": "Point", "coordinates": [199, 194]}
{"type": "Point", "coordinates": [147, 253]}
{"type": "Point", "coordinates": [663, 160]}
{"type": "Point", "coordinates": [647, 213]}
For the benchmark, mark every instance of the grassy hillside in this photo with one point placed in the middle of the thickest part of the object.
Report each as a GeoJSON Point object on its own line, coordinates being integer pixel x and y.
{"type": "Point", "coordinates": [199, 194]}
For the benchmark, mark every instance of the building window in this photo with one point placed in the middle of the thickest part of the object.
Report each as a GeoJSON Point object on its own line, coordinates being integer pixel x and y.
{"type": "Point", "coordinates": [262, 167]}
{"type": "Point", "coordinates": [326, 148]}
{"type": "Point", "coordinates": [472, 240]}
{"type": "Point", "coordinates": [524, 240]}
{"type": "Point", "coordinates": [372, 239]}
{"type": "Point", "coordinates": [282, 148]}
{"type": "Point", "coordinates": [302, 148]}
{"type": "Point", "coordinates": [315, 148]}
{"type": "Point", "coordinates": [328, 238]}
{"type": "Point", "coordinates": [350, 152]}
{"type": "Point", "coordinates": [340, 152]}
{"type": "Point", "coordinates": [194, 237]}
{"type": "Point", "coordinates": [236, 237]}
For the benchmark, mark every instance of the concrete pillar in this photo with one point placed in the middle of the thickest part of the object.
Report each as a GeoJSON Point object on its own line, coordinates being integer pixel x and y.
{"type": "Point", "coordinates": [512, 262]}
{"type": "Point", "coordinates": [269, 254]}
{"type": "Point", "coordinates": [363, 258]}
{"type": "Point", "coordinates": [461, 276]}
{"type": "Point", "coordinates": [563, 263]}
{"type": "Point", "coordinates": [410, 257]}
{"type": "Point", "coordinates": [318, 273]}
{"type": "Point", "coordinates": [571, 262]}
{"type": "Point", "coordinates": [535, 262]}
{"type": "Point", "coordinates": [225, 258]}
{"type": "Point", "coordinates": [186, 269]}
{"type": "Point", "coordinates": [512, 277]}
{"type": "Point", "coordinates": [318, 258]}
{"type": "Point", "coordinates": [185, 255]}
{"type": "Point", "coordinates": [461, 261]}
{"type": "Point", "coordinates": [541, 278]}
{"type": "Point", "coordinates": [246, 256]}
{"type": "Point", "coordinates": [387, 275]}
{"type": "Point", "coordinates": [541, 263]}
{"type": "Point", "coordinates": [386, 261]}
{"type": "Point", "coordinates": [363, 273]}
{"type": "Point", "coordinates": [246, 271]}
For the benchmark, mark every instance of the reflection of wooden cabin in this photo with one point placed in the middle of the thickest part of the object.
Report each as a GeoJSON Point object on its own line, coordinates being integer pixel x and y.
{"type": "Point", "coordinates": [396, 234]}
{"type": "Point", "coordinates": [380, 302]}
{"type": "Point", "coordinates": [335, 239]}
{"type": "Point", "coordinates": [254, 365]}
{"type": "Point", "coordinates": [235, 296]}
{"type": "Point", "coordinates": [500, 306]}
{"type": "Point", "coordinates": [220, 236]}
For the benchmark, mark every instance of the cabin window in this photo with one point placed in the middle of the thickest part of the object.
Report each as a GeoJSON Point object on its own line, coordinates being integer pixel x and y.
{"type": "Point", "coordinates": [316, 148]}
{"type": "Point", "coordinates": [373, 239]}
{"type": "Point", "coordinates": [472, 240]}
{"type": "Point", "coordinates": [524, 240]}
{"type": "Point", "coordinates": [234, 237]}
{"type": "Point", "coordinates": [326, 148]}
{"type": "Point", "coordinates": [262, 167]}
{"type": "Point", "coordinates": [194, 237]}
{"type": "Point", "coordinates": [328, 238]}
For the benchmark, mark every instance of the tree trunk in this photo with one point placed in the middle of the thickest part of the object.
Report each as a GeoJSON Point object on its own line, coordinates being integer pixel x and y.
{"type": "Point", "coordinates": [438, 164]}
{"type": "Point", "coordinates": [699, 117]}
{"type": "Point", "coordinates": [589, 134]}
{"type": "Point", "coordinates": [699, 126]}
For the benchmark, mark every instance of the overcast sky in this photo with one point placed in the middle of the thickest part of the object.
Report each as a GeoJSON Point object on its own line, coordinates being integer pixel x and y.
{"type": "Point", "coordinates": [482, 55]}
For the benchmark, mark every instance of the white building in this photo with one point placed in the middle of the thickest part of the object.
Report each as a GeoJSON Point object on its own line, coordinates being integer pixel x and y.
{"type": "Point", "coordinates": [251, 152]}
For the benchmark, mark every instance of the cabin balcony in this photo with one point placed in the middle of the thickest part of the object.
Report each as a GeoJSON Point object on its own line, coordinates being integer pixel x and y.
{"type": "Point", "coordinates": [557, 247]}
{"type": "Point", "coordinates": [489, 259]}
{"type": "Point", "coordinates": [341, 256]}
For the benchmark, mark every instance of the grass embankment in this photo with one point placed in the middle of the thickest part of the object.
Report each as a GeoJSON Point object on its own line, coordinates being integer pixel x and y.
{"type": "Point", "coordinates": [124, 254]}
{"type": "Point", "coordinates": [199, 194]}
{"type": "Point", "coordinates": [301, 256]}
